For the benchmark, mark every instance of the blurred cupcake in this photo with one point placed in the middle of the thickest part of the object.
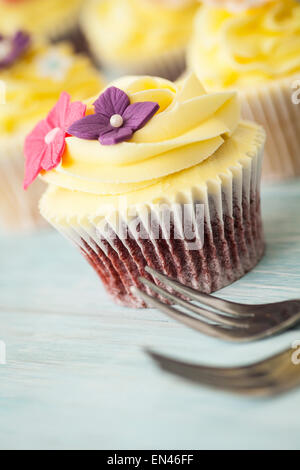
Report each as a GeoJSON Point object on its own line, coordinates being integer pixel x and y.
{"type": "Point", "coordinates": [254, 47]}
{"type": "Point", "coordinates": [32, 76]}
{"type": "Point", "coordinates": [53, 19]}
{"type": "Point", "coordinates": [159, 174]}
{"type": "Point", "coordinates": [139, 36]}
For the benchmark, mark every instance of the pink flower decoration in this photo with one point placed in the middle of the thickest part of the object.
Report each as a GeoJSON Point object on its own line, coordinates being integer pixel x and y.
{"type": "Point", "coordinates": [45, 145]}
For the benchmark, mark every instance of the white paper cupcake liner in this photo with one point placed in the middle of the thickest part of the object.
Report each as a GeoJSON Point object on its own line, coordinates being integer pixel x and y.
{"type": "Point", "coordinates": [272, 107]}
{"type": "Point", "coordinates": [169, 65]}
{"type": "Point", "coordinates": [18, 208]}
{"type": "Point", "coordinates": [74, 36]}
{"type": "Point", "coordinates": [232, 243]}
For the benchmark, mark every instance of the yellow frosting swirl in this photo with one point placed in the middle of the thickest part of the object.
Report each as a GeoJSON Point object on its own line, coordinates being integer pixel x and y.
{"type": "Point", "coordinates": [252, 46]}
{"type": "Point", "coordinates": [34, 83]}
{"type": "Point", "coordinates": [129, 30]}
{"type": "Point", "coordinates": [38, 16]}
{"type": "Point", "coordinates": [190, 127]}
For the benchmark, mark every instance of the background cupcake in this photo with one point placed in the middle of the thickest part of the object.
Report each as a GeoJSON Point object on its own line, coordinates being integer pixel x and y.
{"type": "Point", "coordinates": [139, 36]}
{"type": "Point", "coordinates": [52, 19]}
{"type": "Point", "coordinates": [159, 174]}
{"type": "Point", "coordinates": [255, 48]}
{"type": "Point", "coordinates": [32, 75]}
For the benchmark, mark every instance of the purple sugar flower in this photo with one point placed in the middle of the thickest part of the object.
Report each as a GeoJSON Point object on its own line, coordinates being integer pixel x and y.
{"type": "Point", "coordinates": [115, 119]}
{"type": "Point", "coordinates": [11, 48]}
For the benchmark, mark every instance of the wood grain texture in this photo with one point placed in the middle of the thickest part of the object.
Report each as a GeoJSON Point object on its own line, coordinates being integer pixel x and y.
{"type": "Point", "coordinates": [77, 376]}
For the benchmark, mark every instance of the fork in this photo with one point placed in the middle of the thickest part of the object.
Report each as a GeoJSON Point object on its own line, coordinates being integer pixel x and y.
{"type": "Point", "coordinates": [228, 321]}
{"type": "Point", "coordinates": [272, 376]}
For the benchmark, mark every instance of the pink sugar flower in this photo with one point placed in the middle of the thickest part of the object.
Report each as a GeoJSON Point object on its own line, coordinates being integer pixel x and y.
{"type": "Point", "coordinates": [45, 145]}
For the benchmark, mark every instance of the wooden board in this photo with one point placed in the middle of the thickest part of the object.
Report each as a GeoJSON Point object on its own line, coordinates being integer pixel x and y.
{"type": "Point", "coordinates": [76, 374]}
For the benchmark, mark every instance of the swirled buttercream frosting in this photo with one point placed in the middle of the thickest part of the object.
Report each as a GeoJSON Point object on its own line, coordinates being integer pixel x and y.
{"type": "Point", "coordinates": [247, 47]}
{"type": "Point", "coordinates": [37, 16]}
{"type": "Point", "coordinates": [189, 128]}
{"type": "Point", "coordinates": [125, 30]}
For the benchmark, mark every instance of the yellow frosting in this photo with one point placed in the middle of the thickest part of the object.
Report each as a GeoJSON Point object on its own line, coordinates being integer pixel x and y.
{"type": "Point", "coordinates": [34, 83]}
{"type": "Point", "coordinates": [38, 16]}
{"type": "Point", "coordinates": [61, 205]}
{"type": "Point", "coordinates": [189, 128]}
{"type": "Point", "coordinates": [195, 137]}
{"type": "Point", "coordinates": [130, 30]}
{"type": "Point", "coordinates": [247, 47]}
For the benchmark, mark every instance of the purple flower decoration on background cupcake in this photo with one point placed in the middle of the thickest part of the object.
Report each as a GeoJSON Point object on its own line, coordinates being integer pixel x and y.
{"type": "Point", "coordinates": [115, 119]}
{"type": "Point", "coordinates": [11, 48]}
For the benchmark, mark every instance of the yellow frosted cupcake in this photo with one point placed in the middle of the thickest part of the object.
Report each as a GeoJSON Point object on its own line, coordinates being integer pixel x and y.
{"type": "Point", "coordinates": [32, 76]}
{"type": "Point", "coordinates": [48, 18]}
{"type": "Point", "coordinates": [139, 36]}
{"type": "Point", "coordinates": [156, 174]}
{"type": "Point", "coordinates": [256, 51]}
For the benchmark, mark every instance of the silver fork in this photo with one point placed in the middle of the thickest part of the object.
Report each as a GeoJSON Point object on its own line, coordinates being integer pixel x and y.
{"type": "Point", "coordinates": [228, 321]}
{"type": "Point", "coordinates": [273, 376]}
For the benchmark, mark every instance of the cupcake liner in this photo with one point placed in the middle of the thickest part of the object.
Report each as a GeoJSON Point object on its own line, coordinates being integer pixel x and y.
{"type": "Point", "coordinates": [169, 65]}
{"type": "Point", "coordinates": [272, 107]}
{"type": "Point", "coordinates": [228, 238]}
{"type": "Point", "coordinates": [18, 208]}
{"type": "Point", "coordinates": [75, 36]}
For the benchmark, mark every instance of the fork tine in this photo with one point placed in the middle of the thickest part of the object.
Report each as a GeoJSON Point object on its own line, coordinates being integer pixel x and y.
{"type": "Point", "coordinates": [262, 385]}
{"type": "Point", "coordinates": [258, 328]}
{"type": "Point", "coordinates": [233, 374]}
{"type": "Point", "coordinates": [209, 300]}
{"type": "Point", "coordinates": [196, 324]}
{"type": "Point", "coordinates": [196, 374]}
{"type": "Point", "coordinates": [209, 315]}
{"type": "Point", "coordinates": [216, 331]}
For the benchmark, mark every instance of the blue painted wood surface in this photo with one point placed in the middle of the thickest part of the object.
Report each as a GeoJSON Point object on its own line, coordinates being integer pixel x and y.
{"type": "Point", "coordinates": [76, 374]}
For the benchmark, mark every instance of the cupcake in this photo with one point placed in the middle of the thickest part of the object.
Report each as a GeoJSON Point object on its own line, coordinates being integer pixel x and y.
{"type": "Point", "coordinates": [52, 19]}
{"type": "Point", "coordinates": [158, 174]}
{"type": "Point", "coordinates": [32, 76]}
{"type": "Point", "coordinates": [254, 47]}
{"type": "Point", "coordinates": [139, 36]}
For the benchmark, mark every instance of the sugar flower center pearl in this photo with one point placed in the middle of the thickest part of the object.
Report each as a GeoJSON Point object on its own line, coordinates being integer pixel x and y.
{"type": "Point", "coordinates": [5, 48]}
{"type": "Point", "coordinates": [116, 120]}
{"type": "Point", "coordinates": [51, 135]}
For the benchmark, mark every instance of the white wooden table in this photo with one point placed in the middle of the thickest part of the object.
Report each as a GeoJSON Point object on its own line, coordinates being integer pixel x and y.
{"type": "Point", "coordinates": [77, 376]}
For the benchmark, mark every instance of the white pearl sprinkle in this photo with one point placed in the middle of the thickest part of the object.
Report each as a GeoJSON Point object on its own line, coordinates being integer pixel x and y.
{"type": "Point", "coordinates": [116, 120]}
{"type": "Point", "coordinates": [5, 48]}
{"type": "Point", "coordinates": [51, 135]}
